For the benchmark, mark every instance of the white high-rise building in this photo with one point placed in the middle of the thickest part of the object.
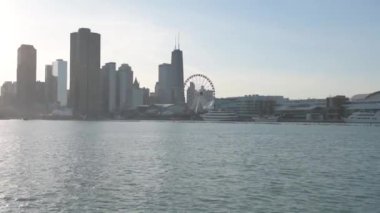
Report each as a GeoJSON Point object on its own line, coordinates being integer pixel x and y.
{"type": "Point", "coordinates": [60, 71]}
{"type": "Point", "coordinates": [109, 89]}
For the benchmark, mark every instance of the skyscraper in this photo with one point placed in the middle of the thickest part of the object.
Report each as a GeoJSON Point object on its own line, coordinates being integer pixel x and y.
{"type": "Point", "coordinates": [109, 86]}
{"type": "Point", "coordinates": [165, 84]}
{"type": "Point", "coordinates": [177, 66]}
{"type": "Point", "coordinates": [60, 72]}
{"type": "Point", "coordinates": [26, 76]}
{"type": "Point", "coordinates": [125, 86]}
{"type": "Point", "coordinates": [170, 80]}
{"type": "Point", "coordinates": [50, 85]}
{"type": "Point", "coordinates": [85, 73]}
{"type": "Point", "coordinates": [8, 93]}
{"type": "Point", "coordinates": [137, 95]}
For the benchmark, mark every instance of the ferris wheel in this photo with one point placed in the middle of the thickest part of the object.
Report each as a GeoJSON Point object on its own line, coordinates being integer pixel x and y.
{"type": "Point", "coordinates": [200, 93]}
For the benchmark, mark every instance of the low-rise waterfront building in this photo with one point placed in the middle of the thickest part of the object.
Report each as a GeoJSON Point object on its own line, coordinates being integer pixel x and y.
{"type": "Point", "coordinates": [301, 110]}
{"type": "Point", "coordinates": [363, 103]}
{"type": "Point", "coordinates": [250, 105]}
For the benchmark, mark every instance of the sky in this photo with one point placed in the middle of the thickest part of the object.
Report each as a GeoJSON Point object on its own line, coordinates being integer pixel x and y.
{"type": "Point", "coordinates": [294, 48]}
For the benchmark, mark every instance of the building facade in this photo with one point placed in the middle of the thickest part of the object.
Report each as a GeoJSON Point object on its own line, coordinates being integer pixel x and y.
{"type": "Point", "coordinates": [109, 87]}
{"type": "Point", "coordinates": [302, 110]}
{"type": "Point", "coordinates": [249, 105]}
{"type": "Point", "coordinates": [125, 86]}
{"type": "Point", "coordinates": [165, 84]}
{"type": "Point", "coordinates": [50, 85]}
{"type": "Point", "coordinates": [26, 76]}
{"type": "Point", "coordinates": [8, 93]}
{"type": "Point", "coordinates": [85, 90]}
{"type": "Point", "coordinates": [335, 107]}
{"type": "Point", "coordinates": [363, 103]}
{"type": "Point", "coordinates": [60, 73]}
{"type": "Point", "coordinates": [170, 80]}
{"type": "Point", "coordinates": [40, 94]}
{"type": "Point", "coordinates": [177, 67]}
{"type": "Point", "coordinates": [138, 97]}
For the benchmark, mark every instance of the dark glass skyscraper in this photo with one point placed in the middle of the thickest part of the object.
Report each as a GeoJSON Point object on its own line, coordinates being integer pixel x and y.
{"type": "Point", "coordinates": [170, 80]}
{"type": "Point", "coordinates": [177, 67]}
{"type": "Point", "coordinates": [109, 87]}
{"type": "Point", "coordinates": [26, 76]}
{"type": "Point", "coordinates": [85, 89]}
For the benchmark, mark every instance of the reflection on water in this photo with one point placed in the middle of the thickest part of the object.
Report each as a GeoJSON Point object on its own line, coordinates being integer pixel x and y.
{"type": "Point", "coordinates": [188, 166]}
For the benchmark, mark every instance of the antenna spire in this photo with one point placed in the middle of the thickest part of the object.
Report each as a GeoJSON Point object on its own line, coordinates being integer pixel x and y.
{"type": "Point", "coordinates": [175, 42]}
{"type": "Point", "coordinates": [178, 40]}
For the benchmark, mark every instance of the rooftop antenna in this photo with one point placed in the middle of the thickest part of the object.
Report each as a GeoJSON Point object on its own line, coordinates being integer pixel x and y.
{"type": "Point", "coordinates": [175, 42]}
{"type": "Point", "coordinates": [178, 40]}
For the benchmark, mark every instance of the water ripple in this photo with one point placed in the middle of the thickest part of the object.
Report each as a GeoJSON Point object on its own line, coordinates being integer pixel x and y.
{"type": "Point", "coordinates": [187, 167]}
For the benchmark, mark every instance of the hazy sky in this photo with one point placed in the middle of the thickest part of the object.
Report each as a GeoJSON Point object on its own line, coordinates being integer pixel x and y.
{"type": "Point", "coordinates": [295, 48]}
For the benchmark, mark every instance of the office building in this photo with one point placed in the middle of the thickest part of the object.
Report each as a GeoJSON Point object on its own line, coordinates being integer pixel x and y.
{"type": "Point", "coordinates": [26, 76]}
{"type": "Point", "coordinates": [137, 95]}
{"type": "Point", "coordinates": [170, 80]}
{"type": "Point", "coordinates": [109, 87]}
{"type": "Point", "coordinates": [165, 84]}
{"type": "Point", "coordinates": [40, 93]}
{"type": "Point", "coordinates": [146, 98]}
{"type": "Point", "coordinates": [8, 93]}
{"type": "Point", "coordinates": [85, 91]}
{"type": "Point", "coordinates": [50, 85]}
{"type": "Point", "coordinates": [60, 73]}
{"type": "Point", "coordinates": [177, 68]}
{"type": "Point", "coordinates": [125, 86]}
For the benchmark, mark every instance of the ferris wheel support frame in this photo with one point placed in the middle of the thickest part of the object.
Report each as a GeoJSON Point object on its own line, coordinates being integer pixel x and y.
{"type": "Point", "coordinates": [204, 80]}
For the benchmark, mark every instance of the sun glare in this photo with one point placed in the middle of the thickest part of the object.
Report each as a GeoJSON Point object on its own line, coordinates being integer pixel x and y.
{"type": "Point", "coordinates": [8, 34]}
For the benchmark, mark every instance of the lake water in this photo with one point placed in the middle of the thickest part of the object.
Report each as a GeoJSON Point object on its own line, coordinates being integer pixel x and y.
{"type": "Point", "coordinates": [149, 166]}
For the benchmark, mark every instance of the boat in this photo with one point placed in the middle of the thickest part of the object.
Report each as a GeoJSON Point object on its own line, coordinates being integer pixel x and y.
{"type": "Point", "coordinates": [363, 117]}
{"type": "Point", "coordinates": [219, 116]}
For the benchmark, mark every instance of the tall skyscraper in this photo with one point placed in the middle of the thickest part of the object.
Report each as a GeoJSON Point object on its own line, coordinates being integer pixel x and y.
{"type": "Point", "coordinates": [26, 76]}
{"type": "Point", "coordinates": [177, 66]}
{"type": "Point", "coordinates": [165, 84]}
{"type": "Point", "coordinates": [60, 72]}
{"type": "Point", "coordinates": [50, 85]}
{"type": "Point", "coordinates": [125, 86]}
{"type": "Point", "coordinates": [170, 80]}
{"type": "Point", "coordinates": [109, 86]}
{"type": "Point", "coordinates": [85, 88]}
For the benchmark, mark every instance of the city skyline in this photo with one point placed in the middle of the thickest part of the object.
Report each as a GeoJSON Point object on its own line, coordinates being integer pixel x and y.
{"type": "Point", "coordinates": [274, 53]}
